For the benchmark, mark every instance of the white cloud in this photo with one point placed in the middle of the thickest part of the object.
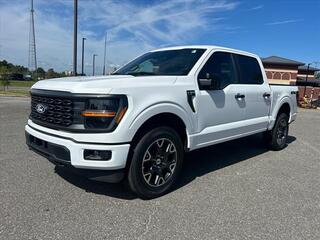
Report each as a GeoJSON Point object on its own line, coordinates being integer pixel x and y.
{"type": "Point", "coordinates": [255, 8]}
{"type": "Point", "coordinates": [132, 28]}
{"type": "Point", "coordinates": [284, 22]}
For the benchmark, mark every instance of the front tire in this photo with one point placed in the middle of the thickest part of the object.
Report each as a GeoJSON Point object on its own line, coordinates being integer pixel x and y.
{"type": "Point", "coordinates": [277, 137]}
{"type": "Point", "coordinates": [156, 163]}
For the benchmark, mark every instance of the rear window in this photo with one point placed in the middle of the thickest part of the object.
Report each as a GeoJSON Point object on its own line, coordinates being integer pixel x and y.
{"type": "Point", "coordinates": [249, 69]}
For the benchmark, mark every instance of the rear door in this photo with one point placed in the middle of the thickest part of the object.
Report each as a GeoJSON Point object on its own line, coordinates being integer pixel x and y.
{"type": "Point", "coordinates": [257, 93]}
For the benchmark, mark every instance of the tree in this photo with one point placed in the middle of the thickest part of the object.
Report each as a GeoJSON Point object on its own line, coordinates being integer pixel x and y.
{"type": "Point", "coordinates": [4, 75]}
{"type": "Point", "coordinates": [51, 73]}
{"type": "Point", "coordinates": [317, 75]}
{"type": "Point", "coordinates": [41, 73]}
{"type": "Point", "coordinates": [13, 68]}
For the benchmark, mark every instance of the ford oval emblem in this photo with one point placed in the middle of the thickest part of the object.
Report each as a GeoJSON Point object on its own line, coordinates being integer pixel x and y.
{"type": "Point", "coordinates": [40, 108]}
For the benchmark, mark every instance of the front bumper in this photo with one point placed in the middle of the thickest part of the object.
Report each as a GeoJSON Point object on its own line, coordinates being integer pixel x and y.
{"type": "Point", "coordinates": [71, 154]}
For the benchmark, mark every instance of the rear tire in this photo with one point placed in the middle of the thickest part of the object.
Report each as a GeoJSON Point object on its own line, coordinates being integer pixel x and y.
{"type": "Point", "coordinates": [156, 163]}
{"type": "Point", "coordinates": [277, 137]}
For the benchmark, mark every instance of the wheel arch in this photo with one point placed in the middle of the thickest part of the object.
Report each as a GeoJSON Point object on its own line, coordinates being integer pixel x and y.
{"type": "Point", "coordinates": [283, 106]}
{"type": "Point", "coordinates": [173, 119]}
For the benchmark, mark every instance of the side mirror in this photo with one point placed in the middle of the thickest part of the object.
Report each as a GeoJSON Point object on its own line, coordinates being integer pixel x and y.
{"type": "Point", "coordinates": [208, 83]}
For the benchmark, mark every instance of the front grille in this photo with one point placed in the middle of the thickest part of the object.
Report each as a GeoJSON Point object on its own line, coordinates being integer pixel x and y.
{"type": "Point", "coordinates": [52, 110]}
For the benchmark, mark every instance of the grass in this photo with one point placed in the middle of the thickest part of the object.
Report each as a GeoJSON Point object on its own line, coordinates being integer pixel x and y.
{"type": "Point", "coordinates": [20, 93]}
{"type": "Point", "coordinates": [22, 83]}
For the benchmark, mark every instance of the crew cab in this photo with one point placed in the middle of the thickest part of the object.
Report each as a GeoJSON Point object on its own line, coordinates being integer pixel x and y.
{"type": "Point", "coordinates": [137, 123]}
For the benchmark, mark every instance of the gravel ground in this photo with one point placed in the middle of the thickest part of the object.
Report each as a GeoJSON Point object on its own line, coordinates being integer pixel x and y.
{"type": "Point", "coordinates": [234, 190]}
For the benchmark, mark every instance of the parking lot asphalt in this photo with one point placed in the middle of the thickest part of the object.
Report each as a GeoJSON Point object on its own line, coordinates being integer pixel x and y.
{"type": "Point", "coordinates": [234, 190]}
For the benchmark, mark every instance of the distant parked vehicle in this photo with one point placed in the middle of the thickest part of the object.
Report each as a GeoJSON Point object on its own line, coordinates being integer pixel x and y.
{"type": "Point", "coordinates": [138, 122]}
{"type": "Point", "coordinates": [28, 77]}
{"type": "Point", "coordinates": [16, 76]}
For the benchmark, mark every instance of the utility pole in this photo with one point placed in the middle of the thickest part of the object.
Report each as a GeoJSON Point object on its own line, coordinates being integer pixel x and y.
{"type": "Point", "coordinates": [305, 86]}
{"type": "Point", "coordinates": [93, 63]}
{"type": "Point", "coordinates": [75, 36]}
{"type": "Point", "coordinates": [104, 56]}
{"type": "Point", "coordinates": [82, 60]}
{"type": "Point", "coordinates": [32, 61]}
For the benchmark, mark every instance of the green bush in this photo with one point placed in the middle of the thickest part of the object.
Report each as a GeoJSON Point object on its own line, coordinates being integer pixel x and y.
{"type": "Point", "coordinates": [4, 77]}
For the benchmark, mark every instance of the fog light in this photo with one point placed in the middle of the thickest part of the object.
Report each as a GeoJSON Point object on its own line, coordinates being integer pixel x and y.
{"type": "Point", "coordinates": [97, 155]}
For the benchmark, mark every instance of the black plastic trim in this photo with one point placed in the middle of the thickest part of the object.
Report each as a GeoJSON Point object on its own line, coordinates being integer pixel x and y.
{"type": "Point", "coordinates": [49, 150]}
{"type": "Point", "coordinates": [281, 84]}
{"type": "Point", "coordinates": [190, 95]}
{"type": "Point", "coordinates": [109, 176]}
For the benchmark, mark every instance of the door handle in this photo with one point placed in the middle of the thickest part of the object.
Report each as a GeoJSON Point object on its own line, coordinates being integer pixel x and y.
{"type": "Point", "coordinates": [239, 96]}
{"type": "Point", "coordinates": [266, 95]}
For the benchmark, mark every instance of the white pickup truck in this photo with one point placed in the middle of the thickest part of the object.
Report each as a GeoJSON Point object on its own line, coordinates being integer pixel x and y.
{"type": "Point", "coordinates": [138, 122]}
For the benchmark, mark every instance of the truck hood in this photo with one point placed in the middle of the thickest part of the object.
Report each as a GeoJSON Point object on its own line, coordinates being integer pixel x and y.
{"type": "Point", "coordinates": [102, 84]}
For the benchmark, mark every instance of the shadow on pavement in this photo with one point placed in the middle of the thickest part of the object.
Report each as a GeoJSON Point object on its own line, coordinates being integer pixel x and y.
{"type": "Point", "coordinates": [200, 162]}
{"type": "Point", "coordinates": [196, 164]}
{"type": "Point", "coordinates": [108, 189]}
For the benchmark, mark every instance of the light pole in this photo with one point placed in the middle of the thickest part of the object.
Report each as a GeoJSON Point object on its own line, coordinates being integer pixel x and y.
{"type": "Point", "coordinates": [82, 60]}
{"type": "Point", "coordinates": [104, 56]}
{"type": "Point", "coordinates": [93, 63]}
{"type": "Point", "coordinates": [75, 36]}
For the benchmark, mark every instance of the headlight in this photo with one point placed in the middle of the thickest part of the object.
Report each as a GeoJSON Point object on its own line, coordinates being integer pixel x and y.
{"type": "Point", "coordinates": [104, 113]}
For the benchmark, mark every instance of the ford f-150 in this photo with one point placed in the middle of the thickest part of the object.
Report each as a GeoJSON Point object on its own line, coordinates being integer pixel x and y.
{"type": "Point", "coordinates": [137, 123]}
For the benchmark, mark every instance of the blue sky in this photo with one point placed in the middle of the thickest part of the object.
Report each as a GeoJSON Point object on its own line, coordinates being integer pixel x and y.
{"type": "Point", "coordinates": [289, 29]}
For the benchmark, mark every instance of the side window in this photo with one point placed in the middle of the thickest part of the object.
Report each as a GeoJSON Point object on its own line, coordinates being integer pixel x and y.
{"type": "Point", "coordinates": [249, 70]}
{"type": "Point", "coordinates": [220, 67]}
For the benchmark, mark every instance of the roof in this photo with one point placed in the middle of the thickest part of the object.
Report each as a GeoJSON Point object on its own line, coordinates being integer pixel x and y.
{"type": "Point", "coordinates": [280, 61]}
{"type": "Point", "coordinates": [305, 67]}
{"type": "Point", "coordinates": [208, 47]}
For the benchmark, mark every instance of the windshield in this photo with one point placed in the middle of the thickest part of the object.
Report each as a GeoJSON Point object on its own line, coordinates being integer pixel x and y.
{"type": "Point", "coordinates": [170, 62]}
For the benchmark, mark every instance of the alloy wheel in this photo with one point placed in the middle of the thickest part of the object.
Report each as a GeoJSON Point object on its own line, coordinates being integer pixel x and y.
{"type": "Point", "coordinates": [159, 162]}
{"type": "Point", "coordinates": [282, 132]}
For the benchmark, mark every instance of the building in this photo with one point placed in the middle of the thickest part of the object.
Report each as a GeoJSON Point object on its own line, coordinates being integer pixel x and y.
{"type": "Point", "coordinates": [68, 73]}
{"type": "Point", "coordinates": [303, 70]}
{"type": "Point", "coordinates": [281, 70]}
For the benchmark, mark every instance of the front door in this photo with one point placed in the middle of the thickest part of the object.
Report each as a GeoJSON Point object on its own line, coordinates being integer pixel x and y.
{"type": "Point", "coordinates": [220, 112]}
